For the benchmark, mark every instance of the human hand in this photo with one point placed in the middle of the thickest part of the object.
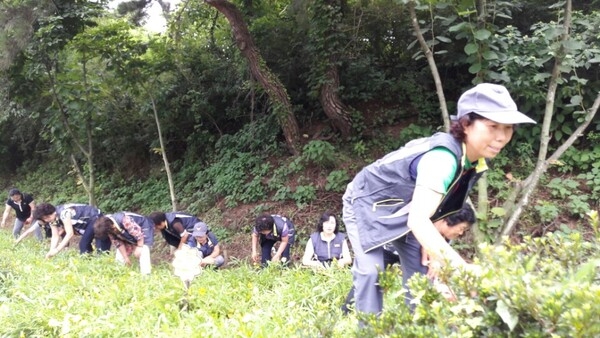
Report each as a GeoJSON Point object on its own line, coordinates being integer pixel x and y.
{"type": "Point", "coordinates": [474, 269]}
{"type": "Point", "coordinates": [255, 257]}
{"type": "Point", "coordinates": [28, 220]}
{"type": "Point", "coordinates": [433, 268]}
{"type": "Point", "coordinates": [276, 258]}
{"type": "Point", "coordinates": [51, 253]}
{"type": "Point", "coordinates": [444, 290]}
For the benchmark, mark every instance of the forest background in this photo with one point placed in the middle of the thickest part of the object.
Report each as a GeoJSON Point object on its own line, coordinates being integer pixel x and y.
{"type": "Point", "coordinates": [247, 106]}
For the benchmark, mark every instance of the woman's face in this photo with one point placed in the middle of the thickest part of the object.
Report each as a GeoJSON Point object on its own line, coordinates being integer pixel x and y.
{"type": "Point", "coordinates": [49, 219]}
{"type": "Point", "coordinates": [485, 138]}
{"type": "Point", "coordinates": [452, 232]}
{"type": "Point", "coordinates": [160, 226]}
{"type": "Point", "coordinates": [329, 225]}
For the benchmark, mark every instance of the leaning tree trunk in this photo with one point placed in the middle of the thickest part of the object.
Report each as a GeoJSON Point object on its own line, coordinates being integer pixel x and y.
{"type": "Point", "coordinates": [270, 83]}
{"type": "Point", "coordinates": [333, 106]}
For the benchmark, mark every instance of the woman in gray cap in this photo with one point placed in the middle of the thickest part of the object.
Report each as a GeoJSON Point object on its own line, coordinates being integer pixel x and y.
{"type": "Point", "coordinates": [397, 198]}
{"type": "Point", "coordinates": [208, 246]}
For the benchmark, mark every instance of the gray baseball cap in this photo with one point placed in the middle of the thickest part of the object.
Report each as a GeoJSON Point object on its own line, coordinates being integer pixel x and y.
{"type": "Point", "coordinates": [493, 102]}
{"type": "Point", "coordinates": [200, 229]}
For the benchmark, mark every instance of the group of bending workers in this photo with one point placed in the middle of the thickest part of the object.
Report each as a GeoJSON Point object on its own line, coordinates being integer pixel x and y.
{"type": "Point", "coordinates": [130, 233]}
{"type": "Point", "coordinates": [405, 207]}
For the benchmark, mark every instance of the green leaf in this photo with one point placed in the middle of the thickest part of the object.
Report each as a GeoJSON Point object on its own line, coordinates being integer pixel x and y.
{"type": "Point", "coordinates": [576, 100]}
{"type": "Point", "coordinates": [471, 48]}
{"type": "Point", "coordinates": [587, 271]}
{"type": "Point", "coordinates": [552, 33]}
{"type": "Point", "coordinates": [482, 34]}
{"type": "Point", "coordinates": [458, 27]}
{"type": "Point", "coordinates": [508, 316]}
{"type": "Point", "coordinates": [531, 263]}
{"type": "Point", "coordinates": [540, 77]}
{"type": "Point", "coordinates": [490, 55]}
{"type": "Point", "coordinates": [498, 212]}
{"type": "Point", "coordinates": [475, 68]}
{"type": "Point", "coordinates": [443, 39]}
{"type": "Point", "coordinates": [573, 45]}
{"type": "Point", "coordinates": [558, 135]}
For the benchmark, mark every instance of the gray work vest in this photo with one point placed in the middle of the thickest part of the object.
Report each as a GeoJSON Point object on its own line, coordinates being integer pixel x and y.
{"type": "Point", "coordinates": [381, 192]}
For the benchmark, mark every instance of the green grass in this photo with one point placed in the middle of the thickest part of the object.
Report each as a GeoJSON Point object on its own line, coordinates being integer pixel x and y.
{"type": "Point", "coordinates": [77, 296]}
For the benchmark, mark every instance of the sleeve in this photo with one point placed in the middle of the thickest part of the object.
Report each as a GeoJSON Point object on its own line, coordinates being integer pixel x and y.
{"type": "Point", "coordinates": [213, 238]}
{"type": "Point", "coordinates": [67, 213]}
{"type": "Point", "coordinates": [132, 228]}
{"type": "Point", "coordinates": [285, 230]}
{"type": "Point", "coordinates": [114, 240]}
{"type": "Point", "coordinates": [178, 227]}
{"type": "Point", "coordinates": [436, 170]}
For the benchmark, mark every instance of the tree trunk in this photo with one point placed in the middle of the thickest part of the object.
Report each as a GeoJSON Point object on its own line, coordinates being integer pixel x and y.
{"type": "Point", "coordinates": [87, 151]}
{"type": "Point", "coordinates": [333, 106]}
{"type": "Point", "coordinates": [163, 152]}
{"type": "Point", "coordinates": [530, 184]}
{"type": "Point", "coordinates": [275, 90]}
{"type": "Point", "coordinates": [439, 89]}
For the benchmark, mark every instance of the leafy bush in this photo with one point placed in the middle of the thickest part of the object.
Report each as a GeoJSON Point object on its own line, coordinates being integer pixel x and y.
{"type": "Point", "coordinates": [337, 181]}
{"type": "Point", "coordinates": [320, 153]}
{"type": "Point", "coordinates": [304, 194]}
{"type": "Point", "coordinates": [241, 165]}
{"type": "Point", "coordinates": [547, 211]}
{"type": "Point", "coordinates": [543, 287]}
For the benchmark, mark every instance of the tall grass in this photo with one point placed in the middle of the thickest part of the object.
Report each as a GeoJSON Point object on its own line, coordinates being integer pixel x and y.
{"type": "Point", "coordinates": [77, 296]}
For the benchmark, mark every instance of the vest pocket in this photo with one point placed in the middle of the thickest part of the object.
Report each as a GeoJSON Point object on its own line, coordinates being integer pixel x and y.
{"type": "Point", "coordinates": [387, 203]}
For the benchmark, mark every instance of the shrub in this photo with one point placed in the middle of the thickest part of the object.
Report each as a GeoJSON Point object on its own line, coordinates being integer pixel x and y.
{"type": "Point", "coordinates": [320, 153]}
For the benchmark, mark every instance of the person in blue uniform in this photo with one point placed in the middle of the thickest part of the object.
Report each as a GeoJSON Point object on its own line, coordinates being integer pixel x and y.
{"type": "Point", "coordinates": [175, 227]}
{"type": "Point", "coordinates": [327, 246]}
{"type": "Point", "coordinates": [268, 231]}
{"type": "Point", "coordinates": [67, 219]}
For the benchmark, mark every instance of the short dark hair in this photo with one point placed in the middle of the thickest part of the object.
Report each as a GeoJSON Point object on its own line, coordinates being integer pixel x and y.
{"type": "Point", "coordinates": [465, 214]}
{"type": "Point", "coordinates": [14, 191]}
{"type": "Point", "coordinates": [158, 217]}
{"type": "Point", "coordinates": [324, 218]}
{"type": "Point", "coordinates": [42, 210]}
{"type": "Point", "coordinates": [264, 222]}
{"type": "Point", "coordinates": [102, 227]}
{"type": "Point", "coordinates": [457, 127]}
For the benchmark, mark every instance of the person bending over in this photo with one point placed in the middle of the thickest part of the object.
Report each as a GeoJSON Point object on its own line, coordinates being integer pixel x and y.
{"type": "Point", "coordinates": [268, 230]}
{"type": "Point", "coordinates": [127, 237]}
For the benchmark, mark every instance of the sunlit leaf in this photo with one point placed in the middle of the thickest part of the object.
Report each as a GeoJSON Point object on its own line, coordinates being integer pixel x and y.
{"type": "Point", "coordinates": [471, 48]}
